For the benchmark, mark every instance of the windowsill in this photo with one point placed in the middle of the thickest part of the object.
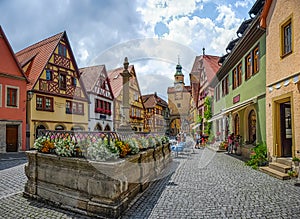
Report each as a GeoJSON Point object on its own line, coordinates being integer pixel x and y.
{"type": "Point", "coordinates": [44, 110]}
{"type": "Point", "coordinates": [286, 54]}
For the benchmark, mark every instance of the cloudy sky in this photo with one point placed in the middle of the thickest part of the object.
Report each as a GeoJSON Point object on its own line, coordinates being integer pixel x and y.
{"type": "Point", "coordinates": [151, 33]}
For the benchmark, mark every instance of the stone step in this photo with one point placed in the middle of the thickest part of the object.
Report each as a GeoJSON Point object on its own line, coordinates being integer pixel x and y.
{"type": "Point", "coordinates": [285, 161]}
{"type": "Point", "coordinates": [279, 167]}
{"type": "Point", "coordinates": [275, 173]}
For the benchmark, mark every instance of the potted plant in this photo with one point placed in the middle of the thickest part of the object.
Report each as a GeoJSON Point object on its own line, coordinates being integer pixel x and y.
{"type": "Point", "coordinates": [292, 173]}
{"type": "Point", "coordinates": [296, 161]}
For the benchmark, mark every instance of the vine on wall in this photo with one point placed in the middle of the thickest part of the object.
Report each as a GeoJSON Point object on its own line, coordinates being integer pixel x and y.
{"type": "Point", "coordinates": [207, 115]}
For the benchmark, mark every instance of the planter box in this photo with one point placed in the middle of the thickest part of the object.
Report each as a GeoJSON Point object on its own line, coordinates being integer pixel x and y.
{"type": "Point", "coordinates": [93, 188]}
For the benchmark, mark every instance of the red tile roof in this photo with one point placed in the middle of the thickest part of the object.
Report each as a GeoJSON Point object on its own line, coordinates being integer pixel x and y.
{"type": "Point", "coordinates": [90, 75]}
{"type": "Point", "coordinates": [116, 80]}
{"type": "Point", "coordinates": [151, 100]}
{"type": "Point", "coordinates": [39, 53]}
{"type": "Point", "coordinates": [211, 66]}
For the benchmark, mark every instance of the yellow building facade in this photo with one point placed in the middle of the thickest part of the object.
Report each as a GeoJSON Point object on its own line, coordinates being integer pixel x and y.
{"type": "Point", "coordinates": [282, 22]}
{"type": "Point", "coordinates": [56, 98]}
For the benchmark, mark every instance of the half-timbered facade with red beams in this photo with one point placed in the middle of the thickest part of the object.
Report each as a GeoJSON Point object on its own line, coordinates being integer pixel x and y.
{"type": "Point", "coordinates": [97, 85]}
{"type": "Point", "coordinates": [12, 100]}
{"type": "Point", "coordinates": [57, 99]}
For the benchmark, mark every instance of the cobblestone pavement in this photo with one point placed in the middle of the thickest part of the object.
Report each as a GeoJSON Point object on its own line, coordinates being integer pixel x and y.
{"type": "Point", "coordinates": [204, 184]}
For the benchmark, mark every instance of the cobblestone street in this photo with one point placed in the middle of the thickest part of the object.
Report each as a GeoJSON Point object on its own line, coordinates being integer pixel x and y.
{"type": "Point", "coordinates": [204, 184]}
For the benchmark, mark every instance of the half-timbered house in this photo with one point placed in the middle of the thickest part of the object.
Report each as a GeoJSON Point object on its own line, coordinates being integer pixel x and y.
{"type": "Point", "coordinates": [97, 85]}
{"type": "Point", "coordinates": [57, 97]}
{"type": "Point", "coordinates": [137, 109]}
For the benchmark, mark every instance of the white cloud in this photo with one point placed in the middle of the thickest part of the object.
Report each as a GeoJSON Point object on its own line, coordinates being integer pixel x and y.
{"type": "Point", "coordinates": [244, 3]}
{"type": "Point", "coordinates": [227, 17]}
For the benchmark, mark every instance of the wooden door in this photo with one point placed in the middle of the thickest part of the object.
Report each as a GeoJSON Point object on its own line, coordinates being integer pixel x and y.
{"type": "Point", "coordinates": [11, 138]}
{"type": "Point", "coordinates": [286, 129]}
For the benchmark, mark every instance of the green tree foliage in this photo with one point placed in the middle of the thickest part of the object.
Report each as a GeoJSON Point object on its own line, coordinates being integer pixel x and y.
{"type": "Point", "coordinates": [207, 115]}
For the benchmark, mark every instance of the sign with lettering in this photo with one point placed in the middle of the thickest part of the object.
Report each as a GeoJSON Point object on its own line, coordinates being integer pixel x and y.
{"type": "Point", "coordinates": [236, 99]}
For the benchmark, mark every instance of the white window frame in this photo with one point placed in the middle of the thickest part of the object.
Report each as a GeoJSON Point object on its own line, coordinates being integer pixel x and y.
{"type": "Point", "coordinates": [18, 96]}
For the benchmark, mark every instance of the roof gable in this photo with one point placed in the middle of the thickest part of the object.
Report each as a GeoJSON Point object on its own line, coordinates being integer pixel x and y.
{"type": "Point", "coordinates": [46, 53]}
{"type": "Point", "coordinates": [38, 55]}
{"type": "Point", "coordinates": [95, 79]}
{"type": "Point", "coordinates": [116, 80]}
{"type": "Point", "coordinates": [9, 64]}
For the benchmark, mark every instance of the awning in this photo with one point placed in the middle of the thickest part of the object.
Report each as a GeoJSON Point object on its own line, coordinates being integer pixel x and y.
{"type": "Point", "coordinates": [233, 108]}
{"type": "Point", "coordinates": [240, 105]}
{"type": "Point", "coordinates": [217, 116]}
{"type": "Point", "coordinates": [196, 126]}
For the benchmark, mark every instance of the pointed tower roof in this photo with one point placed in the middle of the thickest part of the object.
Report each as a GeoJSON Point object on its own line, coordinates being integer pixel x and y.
{"type": "Point", "coordinates": [178, 69]}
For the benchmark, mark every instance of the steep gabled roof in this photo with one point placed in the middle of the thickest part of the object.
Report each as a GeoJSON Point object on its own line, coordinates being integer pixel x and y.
{"type": "Point", "coordinates": [151, 100]}
{"type": "Point", "coordinates": [39, 54]}
{"type": "Point", "coordinates": [211, 65]}
{"type": "Point", "coordinates": [116, 80]}
{"type": "Point", "coordinates": [3, 36]}
{"type": "Point", "coordinates": [90, 75]}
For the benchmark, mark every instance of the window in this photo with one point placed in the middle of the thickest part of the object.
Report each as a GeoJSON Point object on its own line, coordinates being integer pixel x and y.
{"type": "Point", "coordinates": [62, 81]}
{"type": "Point", "coordinates": [252, 63]}
{"type": "Point", "coordinates": [11, 97]}
{"type": "Point", "coordinates": [286, 33]}
{"type": "Point", "coordinates": [237, 76]}
{"type": "Point", "coordinates": [48, 75]}
{"type": "Point", "coordinates": [102, 106]}
{"type": "Point", "coordinates": [74, 108]}
{"type": "Point", "coordinates": [74, 81]}
{"type": "Point", "coordinates": [225, 86]}
{"type": "Point", "coordinates": [248, 66]}
{"type": "Point", "coordinates": [68, 107]}
{"type": "Point", "coordinates": [62, 50]}
{"type": "Point", "coordinates": [44, 103]}
{"type": "Point", "coordinates": [255, 60]}
{"type": "Point", "coordinates": [178, 105]}
{"type": "Point", "coordinates": [240, 74]}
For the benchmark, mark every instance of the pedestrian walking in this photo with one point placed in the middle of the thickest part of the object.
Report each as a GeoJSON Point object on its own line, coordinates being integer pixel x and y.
{"type": "Point", "coordinates": [230, 143]}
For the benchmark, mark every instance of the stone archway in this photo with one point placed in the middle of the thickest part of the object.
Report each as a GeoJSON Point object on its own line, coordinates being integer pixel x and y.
{"type": "Point", "coordinates": [107, 128]}
{"type": "Point", "coordinates": [98, 127]}
{"type": "Point", "coordinates": [252, 126]}
{"type": "Point", "coordinates": [39, 128]}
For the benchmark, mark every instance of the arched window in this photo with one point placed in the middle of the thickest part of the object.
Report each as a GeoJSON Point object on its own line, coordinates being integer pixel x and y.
{"type": "Point", "coordinates": [236, 125]}
{"type": "Point", "coordinates": [38, 129]}
{"type": "Point", "coordinates": [59, 127]}
{"type": "Point", "coordinates": [107, 128]}
{"type": "Point", "coordinates": [252, 126]}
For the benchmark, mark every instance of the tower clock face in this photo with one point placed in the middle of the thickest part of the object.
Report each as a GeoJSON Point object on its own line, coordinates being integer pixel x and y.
{"type": "Point", "coordinates": [178, 87]}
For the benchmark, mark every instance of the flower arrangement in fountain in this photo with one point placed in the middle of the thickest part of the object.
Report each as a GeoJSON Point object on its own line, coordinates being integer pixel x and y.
{"type": "Point", "coordinates": [96, 147]}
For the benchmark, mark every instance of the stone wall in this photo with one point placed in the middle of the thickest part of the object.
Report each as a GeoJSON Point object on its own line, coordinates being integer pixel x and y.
{"type": "Point", "coordinates": [94, 188]}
